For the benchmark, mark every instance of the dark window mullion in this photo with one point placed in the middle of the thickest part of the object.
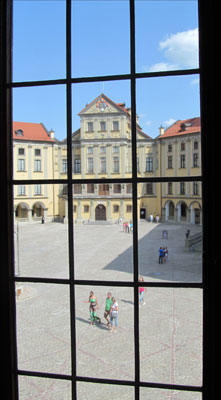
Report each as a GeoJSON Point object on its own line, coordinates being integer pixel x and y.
{"type": "Point", "coordinates": [70, 197]}
{"type": "Point", "coordinates": [134, 198]}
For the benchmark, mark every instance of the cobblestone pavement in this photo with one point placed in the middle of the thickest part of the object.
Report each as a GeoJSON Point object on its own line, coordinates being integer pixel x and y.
{"type": "Point", "coordinates": [170, 322]}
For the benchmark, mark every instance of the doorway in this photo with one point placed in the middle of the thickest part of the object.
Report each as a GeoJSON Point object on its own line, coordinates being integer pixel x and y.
{"type": "Point", "coordinates": [100, 213]}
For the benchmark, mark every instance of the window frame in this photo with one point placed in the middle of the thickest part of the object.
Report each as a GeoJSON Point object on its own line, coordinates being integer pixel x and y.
{"type": "Point", "coordinates": [207, 13]}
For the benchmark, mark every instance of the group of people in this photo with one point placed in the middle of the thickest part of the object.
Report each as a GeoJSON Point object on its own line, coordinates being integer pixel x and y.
{"type": "Point", "coordinates": [110, 312]}
{"type": "Point", "coordinates": [163, 255]}
{"type": "Point", "coordinates": [154, 218]}
{"type": "Point", "coordinates": [128, 227]}
{"type": "Point", "coordinates": [111, 308]}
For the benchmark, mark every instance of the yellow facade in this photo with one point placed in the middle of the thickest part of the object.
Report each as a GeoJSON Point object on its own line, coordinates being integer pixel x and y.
{"type": "Point", "coordinates": [102, 149]}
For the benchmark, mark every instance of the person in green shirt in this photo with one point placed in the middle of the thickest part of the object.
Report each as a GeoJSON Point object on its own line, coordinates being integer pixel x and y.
{"type": "Point", "coordinates": [93, 306]}
{"type": "Point", "coordinates": [108, 308]}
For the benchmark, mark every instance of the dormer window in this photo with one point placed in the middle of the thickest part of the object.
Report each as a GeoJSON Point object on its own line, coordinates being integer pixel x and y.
{"type": "Point", "coordinates": [19, 132]}
{"type": "Point", "coordinates": [185, 126]}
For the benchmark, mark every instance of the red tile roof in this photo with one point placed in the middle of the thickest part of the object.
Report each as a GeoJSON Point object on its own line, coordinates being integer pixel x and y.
{"type": "Point", "coordinates": [182, 127]}
{"type": "Point", "coordinates": [30, 131]}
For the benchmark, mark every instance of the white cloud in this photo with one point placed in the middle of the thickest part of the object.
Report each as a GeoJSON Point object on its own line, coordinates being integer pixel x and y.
{"type": "Point", "coordinates": [180, 51]}
{"type": "Point", "coordinates": [169, 122]}
{"type": "Point", "coordinates": [162, 66]}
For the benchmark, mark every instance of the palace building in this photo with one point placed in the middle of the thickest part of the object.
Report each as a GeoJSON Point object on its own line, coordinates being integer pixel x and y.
{"type": "Point", "coordinates": [101, 148]}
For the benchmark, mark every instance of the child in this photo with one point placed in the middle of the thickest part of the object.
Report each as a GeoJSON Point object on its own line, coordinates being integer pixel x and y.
{"type": "Point", "coordinates": [114, 315]}
{"type": "Point", "coordinates": [141, 292]}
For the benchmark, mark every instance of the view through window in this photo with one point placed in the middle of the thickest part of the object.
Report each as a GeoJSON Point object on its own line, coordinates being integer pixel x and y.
{"type": "Point", "coordinates": [107, 199]}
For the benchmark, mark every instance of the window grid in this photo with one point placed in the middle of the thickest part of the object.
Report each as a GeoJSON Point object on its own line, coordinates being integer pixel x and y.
{"type": "Point", "coordinates": [134, 180]}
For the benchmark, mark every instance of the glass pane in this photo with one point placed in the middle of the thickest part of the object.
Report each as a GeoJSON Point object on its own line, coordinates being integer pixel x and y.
{"type": "Point", "coordinates": [39, 126]}
{"type": "Point", "coordinates": [103, 216]}
{"type": "Point", "coordinates": [88, 391]}
{"type": "Point", "coordinates": [40, 232]}
{"type": "Point", "coordinates": [39, 36]}
{"type": "Point", "coordinates": [164, 40]}
{"type": "Point", "coordinates": [171, 336]}
{"type": "Point", "coordinates": [43, 328]}
{"type": "Point", "coordinates": [100, 38]}
{"type": "Point", "coordinates": [103, 351]}
{"type": "Point", "coordinates": [38, 388]}
{"type": "Point", "coordinates": [170, 231]}
{"type": "Point", "coordinates": [169, 114]}
{"type": "Point", "coordinates": [102, 130]}
{"type": "Point", "coordinates": [159, 394]}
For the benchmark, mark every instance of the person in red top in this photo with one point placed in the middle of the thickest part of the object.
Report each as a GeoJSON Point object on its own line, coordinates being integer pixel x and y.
{"type": "Point", "coordinates": [141, 292]}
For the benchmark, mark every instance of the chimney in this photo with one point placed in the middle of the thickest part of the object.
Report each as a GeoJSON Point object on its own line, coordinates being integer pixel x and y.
{"type": "Point", "coordinates": [51, 134]}
{"type": "Point", "coordinates": [161, 129]}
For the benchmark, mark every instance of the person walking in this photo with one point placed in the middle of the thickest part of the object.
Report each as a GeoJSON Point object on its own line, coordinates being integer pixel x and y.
{"type": "Point", "coordinates": [108, 309]}
{"type": "Point", "coordinates": [114, 315]}
{"type": "Point", "coordinates": [160, 255]}
{"type": "Point", "coordinates": [141, 292]}
{"type": "Point", "coordinates": [93, 306]}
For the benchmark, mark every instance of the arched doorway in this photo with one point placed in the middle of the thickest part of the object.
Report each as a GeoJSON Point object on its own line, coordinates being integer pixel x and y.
{"type": "Point", "coordinates": [182, 212]}
{"type": "Point", "coordinates": [171, 210]}
{"type": "Point", "coordinates": [38, 210]}
{"type": "Point", "coordinates": [100, 213]}
{"type": "Point", "coordinates": [22, 211]}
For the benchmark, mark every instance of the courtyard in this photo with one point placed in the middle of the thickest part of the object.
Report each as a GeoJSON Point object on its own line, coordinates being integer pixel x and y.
{"type": "Point", "coordinates": [170, 321]}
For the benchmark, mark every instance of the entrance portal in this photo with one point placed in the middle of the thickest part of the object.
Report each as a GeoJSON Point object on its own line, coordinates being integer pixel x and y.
{"type": "Point", "coordinates": [142, 213]}
{"type": "Point", "coordinates": [100, 213]}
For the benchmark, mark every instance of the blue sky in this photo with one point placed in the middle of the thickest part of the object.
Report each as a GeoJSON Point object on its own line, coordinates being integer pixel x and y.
{"type": "Point", "coordinates": [166, 39]}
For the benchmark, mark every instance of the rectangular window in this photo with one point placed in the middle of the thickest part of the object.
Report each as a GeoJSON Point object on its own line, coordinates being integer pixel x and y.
{"type": "Point", "coordinates": [102, 126]}
{"type": "Point", "coordinates": [195, 145]}
{"type": "Point", "coordinates": [170, 187]}
{"type": "Point", "coordinates": [103, 149]}
{"type": "Point", "coordinates": [116, 149]}
{"type": "Point", "coordinates": [182, 146]}
{"type": "Point", "coordinates": [117, 188]}
{"type": "Point", "coordinates": [37, 165]}
{"type": "Point", "coordinates": [149, 164]}
{"type": "Point", "coordinates": [149, 188]}
{"type": "Point", "coordinates": [116, 164]}
{"type": "Point", "coordinates": [64, 166]}
{"type": "Point", "coordinates": [182, 188]}
{"type": "Point", "coordinates": [77, 188]}
{"type": "Point", "coordinates": [195, 159]}
{"type": "Point", "coordinates": [37, 190]}
{"type": "Point", "coordinates": [90, 165]}
{"type": "Point", "coordinates": [170, 162]}
{"type": "Point", "coordinates": [37, 152]}
{"type": "Point", "coordinates": [21, 190]}
{"type": "Point", "coordinates": [115, 208]}
{"type": "Point", "coordinates": [103, 164]}
{"type": "Point", "coordinates": [90, 127]}
{"type": "Point", "coordinates": [90, 150]}
{"type": "Point", "coordinates": [90, 188]}
{"type": "Point", "coordinates": [86, 209]}
{"type": "Point", "coordinates": [21, 164]}
{"type": "Point", "coordinates": [195, 188]}
{"type": "Point", "coordinates": [182, 161]}
{"type": "Point", "coordinates": [116, 126]}
{"type": "Point", "coordinates": [77, 166]}
{"type": "Point", "coordinates": [169, 148]}
{"type": "Point", "coordinates": [128, 208]}
{"type": "Point", "coordinates": [21, 152]}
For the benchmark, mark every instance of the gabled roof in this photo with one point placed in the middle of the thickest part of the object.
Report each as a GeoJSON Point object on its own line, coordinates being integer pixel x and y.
{"type": "Point", "coordinates": [182, 127]}
{"type": "Point", "coordinates": [119, 106]}
{"type": "Point", "coordinates": [30, 131]}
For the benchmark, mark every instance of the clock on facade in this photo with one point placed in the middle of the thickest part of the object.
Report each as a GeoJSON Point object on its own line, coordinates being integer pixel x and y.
{"type": "Point", "coordinates": [102, 106]}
